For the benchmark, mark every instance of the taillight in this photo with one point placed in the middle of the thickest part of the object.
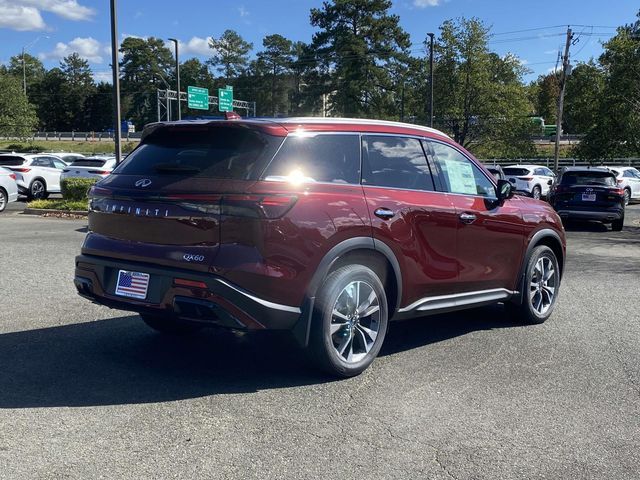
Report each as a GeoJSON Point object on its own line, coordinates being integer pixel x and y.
{"type": "Point", "coordinates": [22, 170]}
{"type": "Point", "coordinates": [526, 179]}
{"type": "Point", "coordinates": [617, 191]}
{"type": "Point", "coordinates": [183, 282]}
{"type": "Point", "coordinates": [13, 176]}
{"type": "Point", "coordinates": [96, 191]}
{"type": "Point", "coordinates": [102, 172]}
{"type": "Point", "coordinates": [267, 206]}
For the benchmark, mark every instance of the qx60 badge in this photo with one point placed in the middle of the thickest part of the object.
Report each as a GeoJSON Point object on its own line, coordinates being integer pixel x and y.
{"type": "Point", "coordinates": [143, 182]}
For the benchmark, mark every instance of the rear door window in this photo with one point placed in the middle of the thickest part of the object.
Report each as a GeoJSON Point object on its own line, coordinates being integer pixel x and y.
{"type": "Point", "coordinates": [317, 158]}
{"type": "Point", "coordinates": [459, 174]}
{"type": "Point", "coordinates": [396, 162]}
{"type": "Point", "coordinates": [224, 152]}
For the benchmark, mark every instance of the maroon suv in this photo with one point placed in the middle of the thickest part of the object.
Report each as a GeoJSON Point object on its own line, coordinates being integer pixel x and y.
{"type": "Point", "coordinates": [329, 228]}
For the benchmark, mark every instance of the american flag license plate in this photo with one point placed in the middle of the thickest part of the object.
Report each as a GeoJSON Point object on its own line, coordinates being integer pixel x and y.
{"type": "Point", "coordinates": [132, 284]}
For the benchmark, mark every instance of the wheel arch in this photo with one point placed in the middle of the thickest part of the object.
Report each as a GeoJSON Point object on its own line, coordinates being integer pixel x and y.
{"type": "Point", "coordinates": [362, 250]}
{"type": "Point", "coordinates": [549, 238]}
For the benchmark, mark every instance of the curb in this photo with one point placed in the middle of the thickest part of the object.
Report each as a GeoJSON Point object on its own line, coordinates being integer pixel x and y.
{"type": "Point", "coordinates": [45, 211]}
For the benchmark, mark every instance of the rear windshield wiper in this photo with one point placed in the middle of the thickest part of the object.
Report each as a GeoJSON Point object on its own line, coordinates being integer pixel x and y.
{"type": "Point", "coordinates": [172, 168]}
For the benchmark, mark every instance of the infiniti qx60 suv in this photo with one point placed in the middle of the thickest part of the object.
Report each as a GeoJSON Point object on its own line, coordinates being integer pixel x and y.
{"type": "Point", "coordinates": [329, 228]}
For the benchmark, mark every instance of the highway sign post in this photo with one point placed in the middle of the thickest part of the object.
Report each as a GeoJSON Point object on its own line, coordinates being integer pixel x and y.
{"type": "Point", "coordinates": [225, 99]}
{"type": "Point", "coordinates": [198, 98]}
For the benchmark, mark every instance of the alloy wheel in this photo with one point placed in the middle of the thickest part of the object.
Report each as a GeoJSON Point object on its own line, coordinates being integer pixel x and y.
{"type": "Point", "coordinates": [37, 189]}
{"type": "Point", "coordinates": [544, 281]}
{"type": "Point", "coordinates": [355, 321]}
{"type": "Point", "coordinates": [3, 200]}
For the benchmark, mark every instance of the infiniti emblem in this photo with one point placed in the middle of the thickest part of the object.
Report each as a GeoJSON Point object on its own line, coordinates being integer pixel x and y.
{"type": "Point", "coordinates": [143, 182]}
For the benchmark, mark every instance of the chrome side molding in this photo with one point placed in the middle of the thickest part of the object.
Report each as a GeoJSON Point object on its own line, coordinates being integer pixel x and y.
{"type": "Point", "coordinates": [443, 302]}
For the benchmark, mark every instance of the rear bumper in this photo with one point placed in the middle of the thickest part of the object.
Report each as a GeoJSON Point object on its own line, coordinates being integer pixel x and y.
{"type": "Point", "coordinates": [601, 215]}
{"type": "Point", "coordinates": [221, 303]}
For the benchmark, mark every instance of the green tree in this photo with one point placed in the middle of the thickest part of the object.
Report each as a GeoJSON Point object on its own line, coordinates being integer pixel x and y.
{"type": "Point", "coordinates": [616, 131]}
{"type": "Point", "coordinates": [78, 87]}
{"type": "Point", "coordinates": [195, 73]}
{"type": "Point", "coordinates": [276, 58]}
{"type": "Point", "coordinates": [51, 101]}
{"type": "Point", "coordinates": [479, 96]}
{"type": "Point", "coordinates": [545, 98]}
{"type": "Point", "coordinates": [584, 86]}
{"type": "Point", "coordinates": [230, 54]}
{"type": "Point", "coordinates": [17, 116]}
{"type": "Point", "coordinates": [362, 44]}
{"type": "Point", "coordinates": [99, 108]}
{"type": "Point", "coordinates": [34, 70]}
{"type": "Point", "coordinates": [144, 65]}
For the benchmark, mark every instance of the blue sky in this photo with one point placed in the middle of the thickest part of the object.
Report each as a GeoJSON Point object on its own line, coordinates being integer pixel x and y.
{"type": "Point", "coordinates": [59, 27]}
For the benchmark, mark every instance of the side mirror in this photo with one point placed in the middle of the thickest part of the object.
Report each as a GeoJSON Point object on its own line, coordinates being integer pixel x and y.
{"type": "Point", "coordinates": [505, 190]}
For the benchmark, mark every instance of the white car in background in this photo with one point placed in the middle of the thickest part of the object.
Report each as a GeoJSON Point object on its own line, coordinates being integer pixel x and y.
{"type": "Point", "coordinates": [8, 188]}
{"type": "Point", "coordinates": [37, 174]}
{"type": "Point", "coordinates": [67, 157]}
{"type": "Point", "coordinates": [90, 167]}
{"type": "Point", "coordinates": [629, 179]}
{"type": "Point", "coordinates": [532, 180]}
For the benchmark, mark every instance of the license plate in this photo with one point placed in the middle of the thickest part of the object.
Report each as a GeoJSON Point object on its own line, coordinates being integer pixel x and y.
{"type": "Point", "coordinates": [588, 197]}
{"type": "Point", "coordinates": [132, 284]}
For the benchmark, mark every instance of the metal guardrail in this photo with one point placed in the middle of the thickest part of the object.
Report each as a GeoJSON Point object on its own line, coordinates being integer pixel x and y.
{"type": "Point", "coordinates": [85, 136]}
{"type": "Point", "coordinates": [563, 162]}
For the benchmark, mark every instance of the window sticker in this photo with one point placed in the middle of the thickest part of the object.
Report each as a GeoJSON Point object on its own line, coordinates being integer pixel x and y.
{"type": "Point", "coordinates": [461, 178]}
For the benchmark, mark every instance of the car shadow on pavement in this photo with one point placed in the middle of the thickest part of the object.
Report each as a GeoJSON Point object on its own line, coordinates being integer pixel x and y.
{"type": "Point", "coordinates": [121, 361]}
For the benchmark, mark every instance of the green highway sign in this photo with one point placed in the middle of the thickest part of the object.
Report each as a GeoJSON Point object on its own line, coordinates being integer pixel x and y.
{"type": "Point", "coordinates": [225, 100]}
{"type": "Point", "coordinates": [198, 98]}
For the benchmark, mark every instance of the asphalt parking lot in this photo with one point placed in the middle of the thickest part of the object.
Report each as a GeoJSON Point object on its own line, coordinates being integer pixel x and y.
{"type": "Point", "coordinates": [88, 392]}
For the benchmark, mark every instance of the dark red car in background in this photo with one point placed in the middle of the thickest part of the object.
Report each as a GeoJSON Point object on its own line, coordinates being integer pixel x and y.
{"type": "Point", "coordinates": [329, 228]}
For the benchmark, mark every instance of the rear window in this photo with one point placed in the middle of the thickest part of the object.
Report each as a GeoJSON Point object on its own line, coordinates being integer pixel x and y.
{"type": "Point", "coordinates": [320, 158]}
{"type": "Point", "coordinates": [516, 172]}
{"type": "Point", "coordinates": [89, 162]}
{"type": "Point", "coordinates": [11, 161]}
{"type": "Point", "coordinates": [210, 151]}
{"type": "Point", "coordinates": [588, 178]}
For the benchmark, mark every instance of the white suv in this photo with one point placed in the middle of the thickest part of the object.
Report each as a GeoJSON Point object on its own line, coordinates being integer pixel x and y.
{"type": "Point", "coordinates": [96, 168]}
{"type": "Point", "coordinates": [532, 180]}
{"type": "Point", "coordinates": [629, 179]}
{"type": "Point", "coordinates": [37, 175]}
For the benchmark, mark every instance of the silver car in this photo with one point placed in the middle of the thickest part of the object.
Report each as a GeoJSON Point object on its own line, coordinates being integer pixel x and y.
{"type": "Point", "coordinates": [8, 188]}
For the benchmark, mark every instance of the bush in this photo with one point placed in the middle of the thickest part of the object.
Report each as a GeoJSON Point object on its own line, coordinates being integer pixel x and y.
{"type": "Point", "coordinates": [75, 205]}
{"type": "Point", "coordinates": [76, 188]}
{"type": "Point", "coordinates": [25, 147]}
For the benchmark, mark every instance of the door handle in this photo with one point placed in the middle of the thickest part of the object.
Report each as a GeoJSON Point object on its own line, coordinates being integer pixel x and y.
{"type": "Point", "coordinates": [384, 213]}
{"type": "Point", "coordinates": [467, 218]}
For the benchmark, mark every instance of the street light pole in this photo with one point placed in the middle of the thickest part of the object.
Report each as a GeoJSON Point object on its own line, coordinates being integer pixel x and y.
{"type": "Point", "coordinates": [431, 35]}
{"type": "Point", "coordinates": [24, 64]}
{"type": "Point", "coordinates": [175, 41]}
{"type": "Point", "coordinates": [115, 69]}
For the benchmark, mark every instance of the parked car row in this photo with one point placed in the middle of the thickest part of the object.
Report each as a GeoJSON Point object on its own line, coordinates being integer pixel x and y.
{"type": "Point", "coordinates": [37, 175]}
{"type": "Point", "coordinates": [586, 193]}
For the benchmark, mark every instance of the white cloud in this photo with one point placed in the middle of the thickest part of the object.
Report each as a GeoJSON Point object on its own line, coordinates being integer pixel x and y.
{"type": "Point", "coordinates": [426, 3]}
{"type": "Point", "coordinates": [88, 48]}
{"type": "Point", "coordinates": [25, 14]}
{"type": "Point", "coordinates": [19, 17]}
{"type": "Point", "coordinates": [243, 11]}
{"type": "Point", "coordinates": [196, 46]}
{"type": "Point", "coordinates": [103, 76]}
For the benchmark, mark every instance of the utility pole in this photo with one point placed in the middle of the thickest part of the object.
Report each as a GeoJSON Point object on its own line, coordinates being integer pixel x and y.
{"type": "Point", "coordinates": [431, 35]}
{"type": "Point", "coordinates": [175, 41]}
{"type": "Point", "coordinates": [24, 74]}
{"type": "Point", "coordinates": [115, 70]}
{"type": "Point", "coordinates": [563, 83]}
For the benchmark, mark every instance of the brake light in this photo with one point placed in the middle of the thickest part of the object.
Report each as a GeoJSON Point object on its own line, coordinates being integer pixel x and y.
{"type": "Point", "coordinates": [13, 176]}
{"type": "Point", "coordinates": [617, 191]}
{"type": "Point", "coordinates": [95, 191]}
{"type": "Point", "coordinates": [102, 172]}
{"type": "Point", "coordinates": [232, 116]}
{"type": "Point", "coordinates": [22, 170]}
{"type": "Point", "coordinates": [526, 179]}
{"type": "Point", "coordinates": [269, 206]}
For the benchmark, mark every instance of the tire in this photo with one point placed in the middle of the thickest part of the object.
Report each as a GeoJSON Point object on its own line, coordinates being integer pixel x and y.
{"type": "Point", "coordinates": [538, 301]}
{"type": "Point", "coordinates": [342, 344]}
{"type": "Point", "coordinates": [169, 325]}
{"type": "Point", "coordinates": [627, 196]}
{"type": "Point", "coordinates": [617, 225]}
{"type": "Point", "coordinates": [536, 192]}
{"type": "Point", "coordinates": [4, 199]}
{"type": "Point", "coordinates": [37, 190]}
